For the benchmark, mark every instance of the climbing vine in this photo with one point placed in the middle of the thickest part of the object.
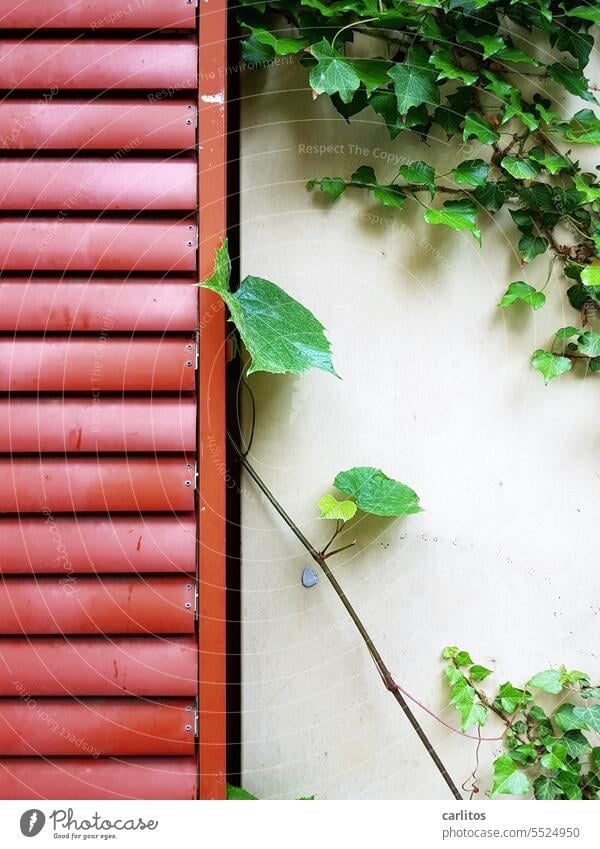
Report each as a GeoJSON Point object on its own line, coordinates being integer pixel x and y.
{"type": "Point", "coordinates": [488, 73]}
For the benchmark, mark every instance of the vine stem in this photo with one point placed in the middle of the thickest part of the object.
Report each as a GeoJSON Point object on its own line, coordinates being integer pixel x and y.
{"type": "Point", "coordinates": [384, 672]}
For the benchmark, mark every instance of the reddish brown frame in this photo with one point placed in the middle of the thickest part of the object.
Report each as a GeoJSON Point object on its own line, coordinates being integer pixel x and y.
{"type": "Point", "coordinates": [212, 192]}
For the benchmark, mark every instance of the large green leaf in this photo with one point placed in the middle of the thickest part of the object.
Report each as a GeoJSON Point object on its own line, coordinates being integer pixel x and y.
{"type": "Point", "coordinates": [332, 74]}
{"type": "Point", "coordinates": [341, 511]}
{"type": "Point", "coordinates": [508, 779]}
{"type": "Point", "coordinates": [376, 493]}
{"type": "Point", "coordinates": [531, 246]}
{"type": "Point", "coordinates": [471, 172]}
{"type": "Point", "coordinates": [279, 333]}
{"type": "Point", "coordinates": [414, 80]}
{"type": "Point", "coordinates": [521, 169]}
{"type": "Point", "coordinates": [589, 343]}
{"type": "Point", "coordinates": [588, 715]}
{"type": "Point", "coordinates": [545, 788]}
{"type": "Point", "coordinates": [475, 126]}
{"type": "Point", "coordinates": [457, 214]}
{"type": "Point", "coordinates": [572, 79]}
{"type": "Point", "coordinates": [490, 43]}
{"type": "Point", "coordinates": [443, 60]}
{"type": "Point", "coordinates": [567, 720]}
{"type": "Point", "coordinates": [549, 681]}
{"type": "Point", "coordinates": [550, 365]}
{"type": "Point", "coordinates": [520, 291]}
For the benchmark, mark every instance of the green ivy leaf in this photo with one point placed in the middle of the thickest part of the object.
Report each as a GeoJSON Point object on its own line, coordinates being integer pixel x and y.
{"type": "Point", "coordinates": [569, 784]}
{"type": "Point", "coordinates": [444, 62]}
{"type": "Point", "coordinates": [588, 715]}
{"type": "Point", "coordinates": [493, 195]}
{"type": "Point", "coordinates": [472, 714]}
{"type": "Point", "coordinates": [490, 43]}
{"type": "Point", "coordinates": [584, 128]}
{"type": "Point", "coordinates": [553, 164]}
{"type": "Point", "coordinates": [511, 699]}
{"type": "Point", "coordinates": [479, 673]}
{"type": "Point", "coordinates": [280, 46]}
{"type": "Point", "coordinates": [419, 173]}
{"type": "Point", "coordinates": [576, 744]}
{"type": "Point", "coordinates": [545, 788]}
{"type": "Point", "coordinates": [589, 343]}
{"type": "Point", "coordinates": [512, 54]}
{"type": "Point", "coordinates": [471, 172]}
{"type": "Point", "coordinates": [376, 493]}
{"type": "Point", "coordinates": [364, 176]}
{"type": "Point", "coordinates": [508, 780]}
{"type": "Point", "coordinates": [341, 511]}
{"type": "Point", "coordinates": [555, 758]}
{"type": "Point", "coordinates": [279, 333]}
{"type": "Point", "coordinates": [590, 693]}
{"type": "Point", "coordinates": [531, 246]}
{"type": "Point", "coordinates": [520, 291]}
{"type": "Point", "coordinates": [585, 13]}
{"type": "Point", "coordinates": [476, 126]}
{"type": "Point", "coordinates": [521, 169]}
{"type": "Point", "coordinates": [255, 53]}
{"type": "Point", "coordinates": [567, 333]}
{"type": "Point", "coordinates": [332, 186]}
{"type": "Point", "coordinates": [549, 681]}
{"type": "Point", "coordinates": [596, 757]}
{"type": "Point", "coordinates": [457, 214]}
{"type": "Point", "coordinates": [332, 74]}
{"type": "Point", "coordinates": [572, 79]}
{"type": "Point", "coordinates": [590, 276]}
{"type": "Point", "coordinates": [373, 73]}
{"type": "Point", "coordinates": [389, 196]}
{"type": "Point", "coordinates": [238, 794]}
{"type": "Point", "coordinates": [567, 720]}
{"type": "Point", "coordinates": [414, 80]}
{"type": "Point", "coordinates": [550, 365]}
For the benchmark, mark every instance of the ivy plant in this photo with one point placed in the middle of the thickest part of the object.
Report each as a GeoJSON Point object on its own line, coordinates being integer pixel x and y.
{"type": "Point", "coordinates": [549, 752]}
{"type": "Point", "coordinates": [455, 69]}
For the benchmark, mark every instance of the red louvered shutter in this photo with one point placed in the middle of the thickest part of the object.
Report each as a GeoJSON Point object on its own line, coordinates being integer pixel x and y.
{"type": "Point", "coordinates": [112, 400]}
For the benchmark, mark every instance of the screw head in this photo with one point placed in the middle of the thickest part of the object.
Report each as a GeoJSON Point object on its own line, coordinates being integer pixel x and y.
{"type": "Point", "coordinates": [187, 483]}
{"type": "Point", "coordinates": [188, 604]}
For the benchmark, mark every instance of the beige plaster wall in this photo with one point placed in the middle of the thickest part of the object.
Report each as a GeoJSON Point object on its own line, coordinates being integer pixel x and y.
{"type": "Point", "coordinates": [437, 391]}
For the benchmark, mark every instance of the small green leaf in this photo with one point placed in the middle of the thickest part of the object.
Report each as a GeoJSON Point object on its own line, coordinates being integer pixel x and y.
{"type": "Point", "coordinates": [569, 784]}
{"type": "Point", "coordinates": [443, 60]}
{"type": "Point", "coordinates": [457, 214]}
{"type": "Point", "coordinates": [332, 186]}
{"type": "Point", "coordinates": [364, 176]}
{"type": "Point", "coordinates": [550, 365]}
{"type": "Point", "coordinates": [520, 169]}
{"type": "Point", "coordinates": [419, 173]}
{"type": "Point", "coordinates": [572, 79]}
{"type": "Point", "coordinates": [585, 13]}
{"type": "Point", "coordinates": [520, 291]}
{"type": "Point", "coordinates": [332, 74]}
{"type": "Point", "coordinates": [279, 333]}
{"type": "Point", "coordinates": [596, 757]}
{"type": "Point", "coordinates": [463, 658]}
{"type": "Point", "coordinates": [479, 673]}
{"type": "Point", "coordinates": [553, 163]}
{"type": "Point", "coordinates": [576, 744]}
{"type": "Point", "coordinates": [280, 46]}
{"type": "Point", "coordinates": [531, 246]}
{"type": "Point", "coordinates": [471, 172]}
{"type": "Point", "coordinates": [590, 276]}
{"type": "Point", "coordinates": [589, 343]}
{"type": "Point", "coordinates": [389, 196]}
{"type": "Point", "coordinates": [414, 80]}
{"type": "Point", "coordinates": [238, 794]}
{"type": "Point", "coordinates": [584, 128]}
{"type": "Point", "coordinates": [472, 714]}
{"type": "Point", "coordinates": [480, 129]}
{"type": "Point", "coordinates": [331, 508]}
{"type": "Point", "coordinates": [590, 693]}
{"type": "Point", "coordinates": [567, 333]}
{"type": "Point", "coordinates": [512, 54]}
{"type": "Point", "coordinates": [490, 43]}
{"type": "Point", "coordinates": [545, 788]}
{"type": "Point", "coordinates": [508, 779]}
{"type": "Point", "coordinates": [589, 715]}
{"type": "Point", "coordinates": [511, 699]}
{"type": "Point", "coordinates": [555, 758]}
{"type": "Point", "coordinates": [549, 681]}
{"type": "Point", "coordinates": [376, 493]}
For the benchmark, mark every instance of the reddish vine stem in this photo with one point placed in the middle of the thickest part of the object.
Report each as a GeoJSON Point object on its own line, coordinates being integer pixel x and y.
{"type": "Point", "coordinates": [384, 672]}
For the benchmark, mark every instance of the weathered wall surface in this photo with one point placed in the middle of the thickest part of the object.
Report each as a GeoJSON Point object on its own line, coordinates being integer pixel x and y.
{"type": "Point", "coordinates": [437, 391]}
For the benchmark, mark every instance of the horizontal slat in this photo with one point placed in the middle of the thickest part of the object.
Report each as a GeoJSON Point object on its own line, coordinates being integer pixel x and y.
{"type": "Point", "coordinates": [101, 363]}
{"type": "Point", "coordinates": [98, 666]}
{"type": "Point", "coordinates": [96, 183]}
{"type": "Point", "coordinates": [56, 63]}
{"type": "Point", "coordinates": [101, 424]}
{"type": "Point", "coordinates": [124, 125]}
{"type": "Point", "coordinates": [81, 244]}
{"type": "Point", "coordinates": [97, 14]}
{"type": "Point", "coordinates": [96, 727]}
{"type": "Point", "coordinates": [95, 303]}
{"type": "Point", "coordinates": [87, 605]}
{"type": "Point", "coordinates": [102, 778]}
{"type": "Point", "coordinates": [91, 484]}
{"type": "Point", "coordinates": [69, 545]}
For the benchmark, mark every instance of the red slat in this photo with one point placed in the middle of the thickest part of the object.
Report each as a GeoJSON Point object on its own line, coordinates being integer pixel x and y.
{"type": "Point", "coordinates": [127, 125]}
{"type": "Point", "coordinates": [82, 63]}
{"type": "Point", "coordinates": [101, 424]}
{"type": "Point", "coordinates": [97, 184]}
{"type": "Point", "coordinates": [97, 666]}
{"type": "Point", "coordinates": [101, 363]}
{"type": "Point", "coordinates": [102, 778]}
{"type": "Point", "coordinates": [88, 605]}
{"type": "Point", "coordinates": [71, 545]}
{"type": "Point", "coordinates": [97, 14]}
{"type": "Point", "coordinates": [96, 727]}
{"type": "Point", "coordinates": [79, 244]}
{"type": "Point", "coordinates": [90, 303]}
{"type": "Point", "coordinates": [90, 484]}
